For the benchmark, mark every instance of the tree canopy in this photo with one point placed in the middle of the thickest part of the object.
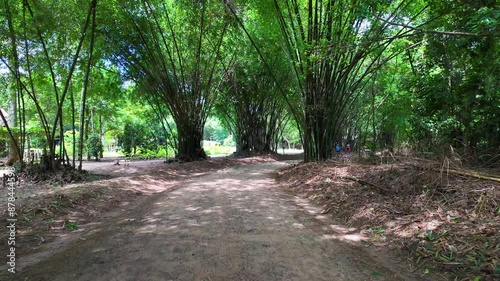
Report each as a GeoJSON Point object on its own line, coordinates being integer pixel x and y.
{"type": "Point", "coordinates": [418, 74]}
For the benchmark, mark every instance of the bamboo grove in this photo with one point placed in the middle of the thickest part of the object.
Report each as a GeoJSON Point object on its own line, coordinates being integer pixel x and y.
{"type": "Point", "coordinates": [375, 74]}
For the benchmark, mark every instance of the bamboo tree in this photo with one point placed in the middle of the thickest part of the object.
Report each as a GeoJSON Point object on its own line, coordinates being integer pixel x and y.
{"type": "Point", "coordinates": [252, 107]}
{"type": "Point", "coordinates": [25, 83]}
{"type": "Point", "coordinates": [73, 128]}
{"type": "Point", "coordinates": [176, 60]}
{"type": "Point", "coordinates": [15, 152]}
{"type": "Point", "coordinates": [86, 84]}
{"type": "Point", "coordinates": [334, 47]}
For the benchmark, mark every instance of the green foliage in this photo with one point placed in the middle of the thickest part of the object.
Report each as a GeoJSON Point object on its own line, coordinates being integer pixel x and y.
{"type": "Point", "coordinates": [71, 226]}
{"type": "Point", "coordinates": [229, 141]}
{"type": "Point", "coordinates": [133, 136]}
{"type": "Point", "coordinates": [94, 145]}
{"type": "Point", "coordinates": [415, 77]}
{"type": "Point", "coordinates": [220, 150]}
{"type": "Point", "coordinates": [457, 96]}
{"type": "Point", "coordinates": [214, 131]}
{"type": "Point", "coordinates": [172, 49]}
{"type": "Point", "coordinates": [291, 134]}
{"type": "Point", "coordinates": [334, 50]}
{"type": "Point", "coordinates": [145, 138]}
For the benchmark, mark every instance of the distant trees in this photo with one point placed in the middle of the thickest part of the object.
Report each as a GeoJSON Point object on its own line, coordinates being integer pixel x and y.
{"type": "Point", "coordinates": [354, 63]}
{"type": "Point", "coordinates": [251, 106]}
{"type": "Point", "coordinates": [444, 91]}
{"type": "Point", "coordinates": [215, 131]}
{"type": "Point", "coordinates": [254, 97]}
{"type": "Point", "coordinates": [456, 80]}
{"type": "Point", "coordinates": [132, 137]}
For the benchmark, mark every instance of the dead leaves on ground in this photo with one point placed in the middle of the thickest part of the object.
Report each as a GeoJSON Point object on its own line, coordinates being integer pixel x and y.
{"type": "Point", "coordinates": [445, 221]}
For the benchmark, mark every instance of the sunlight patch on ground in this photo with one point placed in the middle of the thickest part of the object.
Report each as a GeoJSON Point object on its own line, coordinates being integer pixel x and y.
{"type": "Point", "coordinates": [298, 225]}
{"type": "Point", "coordinates": [193, 223]}
{"type": "Point", "coordinates": [408, 226]}
{"type": "Point", "coordinates": [337, 171]}
{"type": "Point", "coordinates": [197, 174]}
{"type": "Point", "coordinates": [345, 238]}
{"type": "Point", "coordinates": [265, 203]}
{"type": "Point", "coordinates": [150, 220]}
{"type": "Point", "coordinates": [98, 250]}
{"type": "Point", "coordinates": [172, 227]}
{"type": "Point", "coordinates": [215, 209]}
{"type": "Point", "coordinates": [150, 228]}
{"type": "Point", "coordinates": [145, 186]}
{"type": "Point", "coordinates": [306, 206]}
{"type": "Point", "coordinates": [228, 186]}
{"type": "Point", "coordinates": [341, 229]}
{"type": "Point", "coordinates": [311, 210]}
{"type": "Point", "coordinates": [123, 204]}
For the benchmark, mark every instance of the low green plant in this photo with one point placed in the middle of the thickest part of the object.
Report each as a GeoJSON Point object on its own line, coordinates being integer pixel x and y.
{"type": "Point", "coordinates": [71, 226]}
{"type": "Point", "coordinates": [377, 230]}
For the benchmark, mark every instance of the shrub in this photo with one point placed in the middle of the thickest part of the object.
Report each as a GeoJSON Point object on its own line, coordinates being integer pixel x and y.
{"type": "Point", "coordinates": [94, 146]}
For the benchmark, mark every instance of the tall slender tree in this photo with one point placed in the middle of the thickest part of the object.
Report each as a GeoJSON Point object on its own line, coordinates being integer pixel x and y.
{"type": "Point", "coordinates": [174, 54]}
{"type": "Point", "coordinates": [41, 69]}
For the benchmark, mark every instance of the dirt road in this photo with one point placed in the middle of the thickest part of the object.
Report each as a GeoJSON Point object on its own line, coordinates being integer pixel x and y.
{"type": "Point", "coordinates": [233, 224]}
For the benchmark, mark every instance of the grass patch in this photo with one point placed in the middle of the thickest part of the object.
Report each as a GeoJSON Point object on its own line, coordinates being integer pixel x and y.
{"type": "Point", "coordinates": [219, 150]}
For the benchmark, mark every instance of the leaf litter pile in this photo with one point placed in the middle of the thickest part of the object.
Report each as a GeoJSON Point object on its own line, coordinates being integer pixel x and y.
{"type": "Point", "coordinates": [445, 222]}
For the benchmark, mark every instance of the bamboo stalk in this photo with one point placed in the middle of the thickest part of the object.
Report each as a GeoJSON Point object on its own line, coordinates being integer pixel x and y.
{"type": "Point", "coordinates": [470, 174]}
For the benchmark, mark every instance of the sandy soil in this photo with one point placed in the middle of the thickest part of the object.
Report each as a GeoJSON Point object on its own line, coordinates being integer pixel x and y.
{"type": "Point", "coordinates": [231, 224]}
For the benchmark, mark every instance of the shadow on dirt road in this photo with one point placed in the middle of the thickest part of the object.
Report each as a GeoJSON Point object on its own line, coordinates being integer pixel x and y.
{"type": "Point", "coordinates": [232, 224]}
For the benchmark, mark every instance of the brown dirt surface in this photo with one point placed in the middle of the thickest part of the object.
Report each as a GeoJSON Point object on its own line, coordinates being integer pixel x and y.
{"type": "Point", "coordinates": [443, 223]}
{"type": "Point", "coordinates": [48, 210]}
{"type": "Point", "coordinates": [222, 219]}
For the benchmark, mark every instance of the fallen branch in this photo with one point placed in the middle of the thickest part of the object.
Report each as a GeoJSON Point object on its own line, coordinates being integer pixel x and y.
{"type": "Point", "coordinates": [470, 174]}
{"type": "Point", "coordinates": [384, 191]}
{"type": "Point", "coordinates": [461, 173]}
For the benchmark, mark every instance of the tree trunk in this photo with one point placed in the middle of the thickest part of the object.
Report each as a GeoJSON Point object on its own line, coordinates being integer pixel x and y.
{"type": "Point", "coordinates": [12, 105]}
{"type": "Point", "coordinates": [83, 128]}
{"type": "Point", "coordinates": [190, 138]}
{"type": "Point", "coordinates": [87, 125]}
{"type": "Point", "coordinates": [73, 120]}
{"type": "Point", "coordinates": [101, 152]}
{"type": "Point", "coordinates": [12, 122]}
{"type": "Point", "coordinates": [308, 143]}
{"type": "Point", "coordinates": [254, 141]}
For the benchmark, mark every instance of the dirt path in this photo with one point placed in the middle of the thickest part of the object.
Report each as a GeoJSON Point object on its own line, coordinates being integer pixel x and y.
{"type": "Point", "coordinates": [233, 224]}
